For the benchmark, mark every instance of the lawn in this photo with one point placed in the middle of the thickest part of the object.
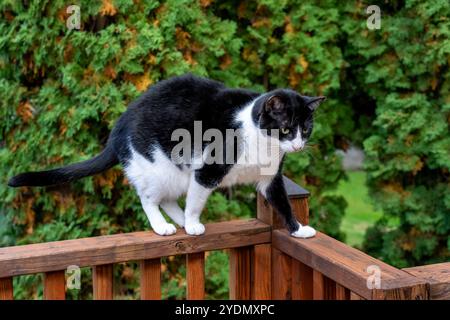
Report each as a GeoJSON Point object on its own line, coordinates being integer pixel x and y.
{"type": "Point", "coordinates": [360, 213]}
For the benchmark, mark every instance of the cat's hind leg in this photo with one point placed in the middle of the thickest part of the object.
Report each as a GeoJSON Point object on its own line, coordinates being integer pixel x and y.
{"type": "Point", "coordinates": [156, 219]}
{"type": "Point", "coordinates": [174, 211]}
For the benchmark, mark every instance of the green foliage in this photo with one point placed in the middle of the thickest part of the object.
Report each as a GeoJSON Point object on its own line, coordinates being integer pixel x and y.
{"type": "Point", "coordinates": [61, 92]}
{"type": "Point", "coordinates": [403, 70]}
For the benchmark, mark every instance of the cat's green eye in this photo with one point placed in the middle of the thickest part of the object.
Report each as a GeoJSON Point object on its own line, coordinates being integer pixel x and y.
{"type": "Point", "coordinates": [304, 131]}
{"type": "Point", "coordinates": [284, 130]}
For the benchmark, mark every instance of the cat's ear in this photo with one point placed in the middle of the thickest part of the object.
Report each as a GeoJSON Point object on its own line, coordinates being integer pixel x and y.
{"type": "Point", "coordinates": [274, 103]}
{"type": "Point", "coordinates": [313, 102]}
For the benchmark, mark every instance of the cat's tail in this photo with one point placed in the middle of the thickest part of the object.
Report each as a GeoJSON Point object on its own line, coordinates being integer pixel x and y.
{"type": "Point", "coordinates": [103, 161]}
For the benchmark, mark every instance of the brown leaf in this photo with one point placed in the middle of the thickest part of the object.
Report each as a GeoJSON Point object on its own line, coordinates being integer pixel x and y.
{"type": "Point", "coordinates": [188, 57]}
{"type": "Point", "coordinates": [205, 3]}
{"type": "Point", "coordinates": [262, 22]}
{"type": "Point", "coordinates": [182, 38]}
{"type": "Point", "coordinates": [110, 72]}
{"type": "Point", "coordinates": [225, 61]}
{"type": "Point", "coordinates": [107, 8]}
{"type": "Point", "coordinates": [288, 28]}
{"type": "Point", "coordinates": [30, 214]}
{"type": "Point", "coordinates": [25, 111]}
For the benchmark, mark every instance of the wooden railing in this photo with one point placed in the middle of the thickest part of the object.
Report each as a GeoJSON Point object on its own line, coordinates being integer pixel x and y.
{"type": "Point", "coordinates": [265, 262]}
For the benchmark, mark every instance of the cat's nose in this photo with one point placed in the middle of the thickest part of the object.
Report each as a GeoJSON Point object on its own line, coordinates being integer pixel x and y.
{"type": "Point", "coordinates": [298, 146]}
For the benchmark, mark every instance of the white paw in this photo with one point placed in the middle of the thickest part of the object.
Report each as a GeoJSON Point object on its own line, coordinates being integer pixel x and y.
{"type": "Point", "coordinates": [194, 229]}
{"type": "Point", "coordinates": [165, 229]}
{"type": "Point", "coordinates": [304, 232]}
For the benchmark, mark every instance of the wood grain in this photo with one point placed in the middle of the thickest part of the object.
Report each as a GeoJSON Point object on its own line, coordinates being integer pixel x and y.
{"type": "Point", "coordinates": [318, 286]}
{"type": "Point", "coordinates": [354, 296]}
{"type": "Point", "coordinates": [150, 279]}
{"type": "Point", "coordinates": [261, 275]}
{"type": "Point", "coordinates": [403, 292]}
{"type": "Point", "coordinates": [330, 289]}
{"type": "Point", "coordinates": [347, 265]}
{"type": "Point", "coordinates": [240, 273]}
{"type": "Point", "coordinates": [302, 281]}
{"type": "Point", "coordinates": [342, 293]}
{"type": "Point", "coordinates": [195, 276]}
{"type": "Point", "coordinates": [58, 255]}
{"type": "Point", "coordinates": [438, 277]}
{"type": "Point", "coordinates": [103, 282]}
{"type": "Point", "coordinates": [267, 214]}
{"type": "Point", "coordinates": [300, 208]}
{"type": "Point", "coordinates": [281, 275]}
{"type": "Point", "coordinates": [288, 278]}
{"type": "Point", "coordinates": [55, 285]}
{"type": "Point", "coordinates": [6, 289]}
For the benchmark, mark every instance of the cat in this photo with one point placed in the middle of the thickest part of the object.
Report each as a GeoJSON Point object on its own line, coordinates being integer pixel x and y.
{"type": "Point", "coordinates": [142, 141]}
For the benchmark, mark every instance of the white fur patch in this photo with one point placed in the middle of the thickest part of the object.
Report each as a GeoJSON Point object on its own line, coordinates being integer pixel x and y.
{"type": "Point", "coordinates": [261, 156]}
{"type": "Point", "coordinates": [159, 180]}
{"type": "Point", "coordinates": [295, 144]}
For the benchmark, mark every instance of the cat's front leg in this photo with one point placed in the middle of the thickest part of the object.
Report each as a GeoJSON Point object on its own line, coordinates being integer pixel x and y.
{"type": "Point", "coordinates": [275, 192]}
{"type": "Point", "coordinates": [196, 198]}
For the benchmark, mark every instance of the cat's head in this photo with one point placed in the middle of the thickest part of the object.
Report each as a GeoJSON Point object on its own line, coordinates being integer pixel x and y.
{"type": "Point", "coordinates": [290, 113]}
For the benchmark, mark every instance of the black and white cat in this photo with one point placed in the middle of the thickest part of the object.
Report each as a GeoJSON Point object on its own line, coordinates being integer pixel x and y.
{"type": "Point", "coordinates": [142, 141]}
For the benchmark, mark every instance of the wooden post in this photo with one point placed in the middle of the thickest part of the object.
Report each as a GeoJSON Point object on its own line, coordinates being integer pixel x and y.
{"type": "Point", "coordinates": [240, 273]}
{"type": "Point", "coordinates": [281, 275]}
{"type": "Point", "coordinates": [330, 289]}
{"type": "Point", "coordinates": [318, 286]}
{"type": "Point", "coordinates": [103, 282]}
{"type": "Point", "coordinates": [342, 293]}
{"type": "Point", "coordinates": [289, 279]}
{"type": "Point", "coordinates": [261, 275]}
{"type": "Point", "coordinates": [150, 270]}
{"type": "Point", "coordinates": [323, 287]}
{"type": "Point", "coordinates": [6, 288]}
{"type": "Point", "coordinates": [302, 275]}
{"type": "Point", "coordinates": [55, 285]}
{"type": "Point", "coordinates": [195, 276]}
{"type": "Point", "coordinates": [302, 285]}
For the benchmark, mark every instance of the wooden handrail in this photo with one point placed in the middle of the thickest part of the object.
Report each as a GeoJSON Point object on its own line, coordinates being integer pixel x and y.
{"type": "Point", "coordinates": [438, 276]}
{"type": "Point", "coordinates": [349, 267]}
{"type": "Point", "coordinates": [324, 268]}
{"type": "Point", "coordinates": [58, 255]}
{"type": "Point", "coordinates": [265, 262]}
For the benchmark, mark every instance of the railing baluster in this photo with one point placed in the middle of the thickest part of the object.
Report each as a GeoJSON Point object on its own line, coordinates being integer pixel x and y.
{"type": "Point", "coordinates": [342, 293]}
{"type": "Point", "coordinates": [330, 289]}
{"type": "Point", "coordinates": [103, 282]}
{"type": "Point", "coordinates": [195, 276]}
{"type": "Point", "coordinates": [240, 273]}
{"type": "Point", "coordinates": [262, 282]}
{"type": "Point", "coordinates": [55, 285]}
{"type": "Point", "coordinates": [150, 271]}
{"type": "Point", "coordinates": [6, 288]}
{"type": "Point", "coordinates": [318, 286]}
{"type": "Point", "coordinates": [302, 281]}
{"type": "Point", "coordinates": [281, 275]}
{"type": "Point", "coordinates": [323, 288]}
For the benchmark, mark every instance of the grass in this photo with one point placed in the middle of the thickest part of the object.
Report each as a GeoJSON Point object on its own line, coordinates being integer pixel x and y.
{"type": "Point", "coordinates": [360, 213]}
